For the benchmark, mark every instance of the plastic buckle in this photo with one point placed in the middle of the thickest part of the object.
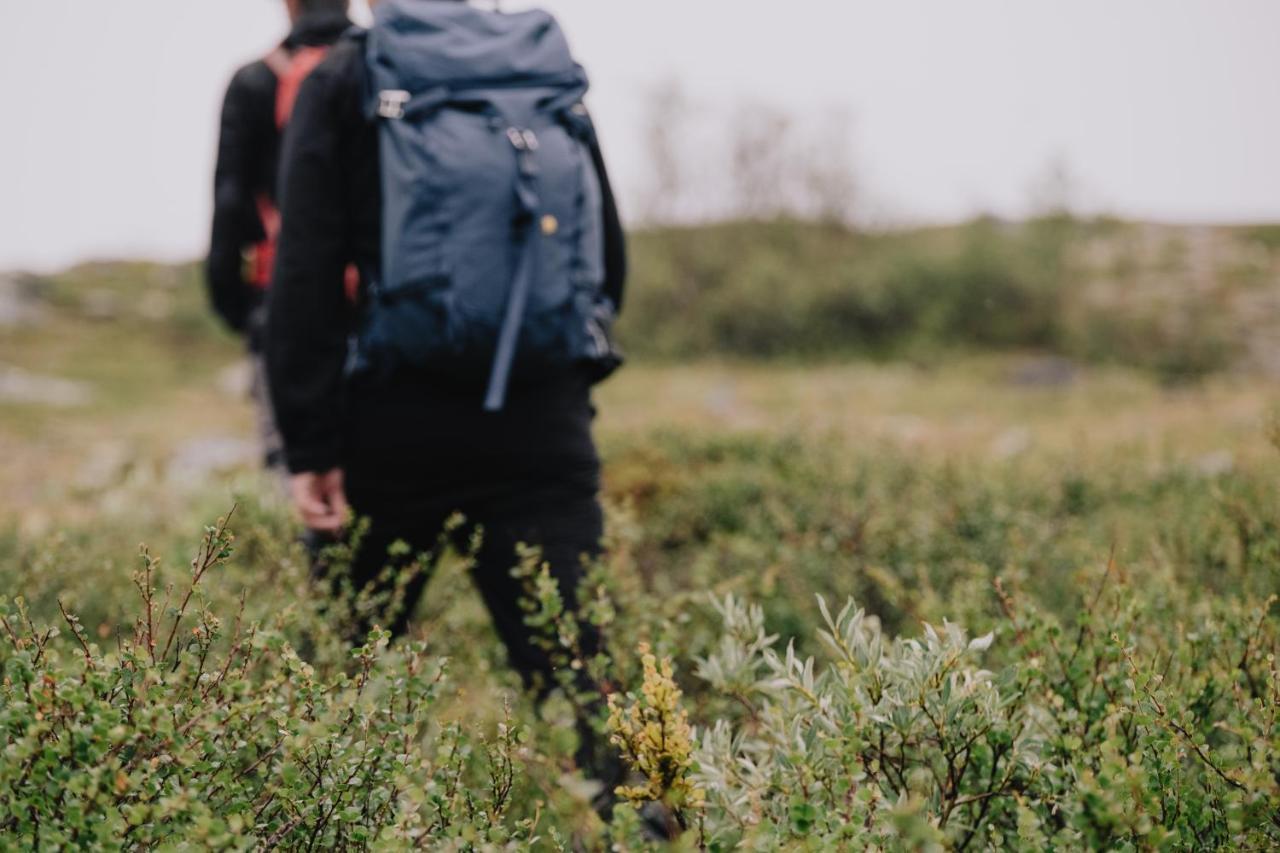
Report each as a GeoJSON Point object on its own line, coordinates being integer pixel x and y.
{"type": "Point", "coordinates": [391, 103]}
{"type": "Point", "coordinates": [522, 140]}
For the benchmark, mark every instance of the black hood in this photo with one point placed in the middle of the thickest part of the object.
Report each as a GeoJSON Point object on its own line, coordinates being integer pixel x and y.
{"type": "Point", "coordinates": [317, 29]}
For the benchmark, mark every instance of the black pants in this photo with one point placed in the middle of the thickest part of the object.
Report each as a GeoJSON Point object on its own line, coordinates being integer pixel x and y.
{"type": "Point", "coordinates": [562, 519]}
{"type": "Point", "coordinates": [417, 454]}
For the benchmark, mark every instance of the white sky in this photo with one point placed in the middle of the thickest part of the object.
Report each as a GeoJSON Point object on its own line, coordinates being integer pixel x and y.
{"type": "Point", "coordinates": [1163, 109]}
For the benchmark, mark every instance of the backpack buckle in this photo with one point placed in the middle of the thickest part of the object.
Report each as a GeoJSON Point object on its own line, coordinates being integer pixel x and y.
{"type": "Point", "coordinates": [522, 140]}
{"type": "Point", "coordinates": [391, 103]}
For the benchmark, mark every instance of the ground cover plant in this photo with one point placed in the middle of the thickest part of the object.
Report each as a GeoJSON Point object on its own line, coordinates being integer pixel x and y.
{"type": "Point", "coordinates": [991, 601]}
{"type": "Point", "coordinates": [1105, 692]}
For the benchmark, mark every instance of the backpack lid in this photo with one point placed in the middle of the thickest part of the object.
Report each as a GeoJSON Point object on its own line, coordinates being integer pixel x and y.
{"type": "Point", "coordinates": [417, 45]}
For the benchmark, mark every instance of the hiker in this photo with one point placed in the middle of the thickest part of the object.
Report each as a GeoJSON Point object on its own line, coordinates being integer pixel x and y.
{"type": "Point", "coordinates": [245, 218]}
{"type": "Point", "coordinates": [446, 153]}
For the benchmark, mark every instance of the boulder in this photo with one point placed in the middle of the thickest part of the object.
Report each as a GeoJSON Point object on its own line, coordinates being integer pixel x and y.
{"type": "Point", "coordinates": [23, 387]}
{"type": "Point", "coordinates": [199, 459]}
{"type": "Point", "coordinates": [20, 303]}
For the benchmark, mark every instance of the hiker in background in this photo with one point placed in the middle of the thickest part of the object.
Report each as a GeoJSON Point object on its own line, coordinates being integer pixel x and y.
{"type": "Point", "coordinates": [246, 222]}
{"type": "Point", "coordinates": [447, 154]}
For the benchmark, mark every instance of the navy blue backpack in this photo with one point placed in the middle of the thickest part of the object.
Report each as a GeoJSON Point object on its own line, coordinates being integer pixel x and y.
{"type": "Point", "coordinates": [492, 255]}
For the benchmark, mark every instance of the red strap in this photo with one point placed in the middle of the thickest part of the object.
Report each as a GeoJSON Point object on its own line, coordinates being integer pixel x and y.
{"type": "Point", "coordinates": [301, 63]}
{"type": "Point", "coordinates": [291, 69]}
{"type": "Point", "coordinates": [279, 61]}
{"type": "Point", "coordinates": [264, 253]}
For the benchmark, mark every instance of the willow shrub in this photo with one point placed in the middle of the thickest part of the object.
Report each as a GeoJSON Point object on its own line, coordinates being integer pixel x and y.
{"type": "Point", "coordinates": [1093, 738]}
{"type": "Point", "coordinates": [1121, 729]}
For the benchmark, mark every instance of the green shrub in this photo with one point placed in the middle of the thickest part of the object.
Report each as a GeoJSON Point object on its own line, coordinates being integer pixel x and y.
{"type": "Point", "coordinates": [1128, 703]}
{"type": "Point", "coordinates": [197, 730]}
{"type": "Point", "coordinates": [1111, 739]}
{"type": "Point", "coordinates": [803, 290]}
{"type": "Point", "coordinates": [1112, 735]}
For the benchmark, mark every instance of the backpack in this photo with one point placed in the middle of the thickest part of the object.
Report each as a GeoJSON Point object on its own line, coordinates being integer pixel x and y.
{"type": "Point", "coordinates": [492, 212]}
{"type": "Point", "coordinates": [291, 68]}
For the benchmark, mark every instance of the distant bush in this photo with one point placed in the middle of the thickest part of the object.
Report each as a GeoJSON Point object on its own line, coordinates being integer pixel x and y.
{"type": "Point", "coordinates": [1267, 236]}
{"type": "Point", "coordinates": [798, 289]}
{"type": "Point", "coordinates": [1096, 290]}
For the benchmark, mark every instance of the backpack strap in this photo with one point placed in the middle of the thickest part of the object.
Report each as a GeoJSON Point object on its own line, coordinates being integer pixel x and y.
{"type": "Point", "coordinates": [300, 65]}
{"type": "Point", "coordinates": [525, 143]}
{"type": "Point", "coordinates": [576, 119]}
{"type": "Point", "coordinates": [291, 68]}
{"type": "Point", "coordinates": [278, 61]}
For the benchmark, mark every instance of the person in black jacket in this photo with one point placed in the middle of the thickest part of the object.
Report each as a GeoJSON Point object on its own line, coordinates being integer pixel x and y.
{"type": "Point", "coordinates": [404, 451]}
{"type": "Point", "coordinates": [238, 266]}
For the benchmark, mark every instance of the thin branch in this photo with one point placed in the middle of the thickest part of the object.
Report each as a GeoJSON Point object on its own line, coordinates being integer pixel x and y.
{"type": "Point", "coordinates": [75, 631]}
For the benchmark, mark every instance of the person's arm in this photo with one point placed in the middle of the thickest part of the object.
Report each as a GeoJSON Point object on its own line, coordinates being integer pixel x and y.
{"type": "Point", "coordinates": [236, 224]}
{"type": "Point", "coordinates": [615, 239]}
{"type": "Point", "coordinates": [307, 327]}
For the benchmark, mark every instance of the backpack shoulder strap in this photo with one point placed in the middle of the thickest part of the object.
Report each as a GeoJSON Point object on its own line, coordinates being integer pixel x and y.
{"type": "Point", "coordinates": [576, 119]}
{"type": "Point", "coordinates": [301, 63]}
{"type": "Point", "coordinates": [278, 60]}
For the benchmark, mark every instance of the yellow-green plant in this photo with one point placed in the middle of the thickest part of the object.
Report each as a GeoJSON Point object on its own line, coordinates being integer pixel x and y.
{"type": "Point", "coordinates": [652, 730]}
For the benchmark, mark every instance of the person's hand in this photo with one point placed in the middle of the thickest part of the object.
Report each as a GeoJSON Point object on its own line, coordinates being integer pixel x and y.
{"type": "Point", "coordinates": [320, 500]}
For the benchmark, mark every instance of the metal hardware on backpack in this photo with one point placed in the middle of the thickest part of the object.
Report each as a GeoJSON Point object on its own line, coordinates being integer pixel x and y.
{"type": "Point", "coordinates": [392, 102]}
{"type": "Point", "coordinates": [492, 257]}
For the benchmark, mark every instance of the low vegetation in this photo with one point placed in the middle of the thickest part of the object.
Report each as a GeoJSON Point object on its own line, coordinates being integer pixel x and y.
{"type": "Point", "coordinates": [995, 600]}
{"type": "Point", "coordinates": [1180, 302]}
{"type": "Point", "coordinates": [1109, 679]}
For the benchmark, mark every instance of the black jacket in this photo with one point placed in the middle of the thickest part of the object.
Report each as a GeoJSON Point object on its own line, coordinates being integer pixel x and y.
{"type": "Point", "coordinates": [405, 431]}
{"type": "Point", "coordinates": [248, 151]}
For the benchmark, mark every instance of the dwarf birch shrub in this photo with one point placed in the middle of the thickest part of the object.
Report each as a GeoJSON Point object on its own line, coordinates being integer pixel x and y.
{"type": "Point", "coordinates": [198, 731]}
{"type": "Point", "coordinates": [1130, 706]}
{"type": "Point", "coordinates": [1162, 733]}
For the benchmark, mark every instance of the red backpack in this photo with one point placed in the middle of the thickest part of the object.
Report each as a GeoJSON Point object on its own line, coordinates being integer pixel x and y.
{"type": "Point", "coordinates": [291, 69]}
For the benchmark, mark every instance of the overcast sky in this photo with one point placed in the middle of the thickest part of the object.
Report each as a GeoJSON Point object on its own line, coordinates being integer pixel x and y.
{"type": "Point", "coordinates": [1163, 109]}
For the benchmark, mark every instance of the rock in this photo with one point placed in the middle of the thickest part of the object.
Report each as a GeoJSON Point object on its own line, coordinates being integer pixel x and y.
{"type": "Point", "coordinates": [100, 304]}
{"type": "Point", "coordinates": [906, 429]}
{"type": "Point", "coordinates": [107, 464]}
{"type": "Point", "coordinates": [19, 303]}
{"type": "Point", "coordinates": [1011, 443]}
{"type": "Point", "coordinates": [722, 400]}
{"type": "Point", "coordinates": [236, 381]}
{"type": "Point", "coordinates": [197, 460]}
{"type": "Point", "coordinates": [20, 386]}
{"type": "Point", "coordinates": [165, 277]}
{"type": "Point", "coordinates": [35, 524]}
{"type": "Point", "coordinates": [1046, 372]}
{"type": "Point", "coordinates": [1215, 464]}
{"type": "Point", "coordinates": [156, 305]}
